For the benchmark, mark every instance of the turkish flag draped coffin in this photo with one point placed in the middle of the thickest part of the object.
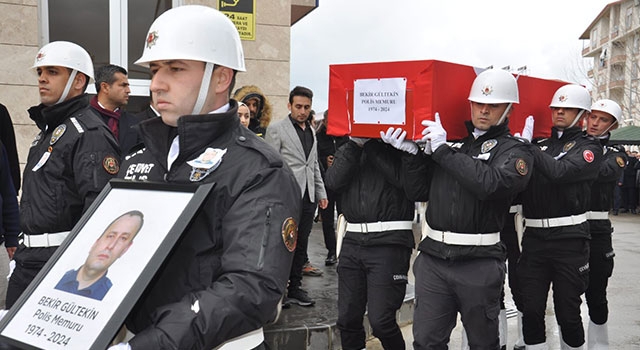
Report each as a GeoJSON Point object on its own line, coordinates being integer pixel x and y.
{"type": "Point", "coordinates": [367, 98]}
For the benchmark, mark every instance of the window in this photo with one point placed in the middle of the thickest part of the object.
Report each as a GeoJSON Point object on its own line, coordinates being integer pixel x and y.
{"type": "Point", "coordinates": [629, 19]}
{"type": "Point", "coordinates": [112, 31]}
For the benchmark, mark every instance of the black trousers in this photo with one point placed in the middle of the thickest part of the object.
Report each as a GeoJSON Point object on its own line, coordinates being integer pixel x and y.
{"type": "Point", "coordinates": [371, 278]}
{"type": "Point", "coordinates": [600, 269]}
{"type": "Point", "coordinates": [509, 236]}
{"type": "Point", "coordinates": [29, 261]}
{"type": "Point", "coordinates": [446, 287]}
{"type": "Point", "coordinates": [304, 229]}
{"type": "Point", "coordinates": [328, 221]}
{"type": "Point", "coordinates": [564, 264]}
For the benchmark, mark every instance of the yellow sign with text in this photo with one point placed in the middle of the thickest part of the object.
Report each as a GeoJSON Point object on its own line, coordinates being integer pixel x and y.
{"type": "Point", "coordinates": [243, 15]}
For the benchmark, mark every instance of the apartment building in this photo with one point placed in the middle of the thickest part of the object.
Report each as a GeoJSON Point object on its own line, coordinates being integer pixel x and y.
{"type": "Point", "coordinates": [612, 40]}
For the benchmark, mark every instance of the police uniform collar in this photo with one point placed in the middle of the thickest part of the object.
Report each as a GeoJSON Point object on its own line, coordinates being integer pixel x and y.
{"type": "Point", "coordinates": [195, 131]}
{"type": "Point", "coordinates": [49, 117]}
{"type": "Point", "coordinates": [566, 133]}
{"type": "Point", "coordinates": [494, 131]}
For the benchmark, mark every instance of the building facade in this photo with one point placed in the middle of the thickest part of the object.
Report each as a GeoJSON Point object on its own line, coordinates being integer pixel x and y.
{"type": "Point", "coordinates": [612, 41]}
{"type": "Point", "coordinates": [113, 31]}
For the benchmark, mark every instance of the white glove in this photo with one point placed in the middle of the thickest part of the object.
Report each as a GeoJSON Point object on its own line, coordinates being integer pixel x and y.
{"type": "Point", "coordinates": [527, 131]}
{"type": "Point", "coordinates": [395, 137]}
{"type": "Point", "coordinates": [360, 141]}
{"type": "Point", "coordinates": [120, 346]}
{"type": "Point", "coordinates": [434, 133]}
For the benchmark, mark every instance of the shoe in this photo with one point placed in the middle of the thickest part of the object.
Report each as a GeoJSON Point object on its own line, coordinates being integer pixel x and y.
{"type": "Point", "coordinates": [632, 211]}
{"type": "Point", "coordinates": [310, 270]}
{"type": "Point", "coordinates": [615, 213]}
{"type": "Point", "coordinates": [300, 297]}
{"type": "Point", "coordinates": [331, 259]}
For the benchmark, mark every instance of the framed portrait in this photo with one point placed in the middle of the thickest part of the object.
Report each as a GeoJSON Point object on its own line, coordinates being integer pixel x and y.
{"type": "Point", "coordinates": [83, 294]}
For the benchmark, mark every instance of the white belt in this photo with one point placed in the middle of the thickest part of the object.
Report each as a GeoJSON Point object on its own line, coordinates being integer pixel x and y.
{"type": "Point", "coordinates": [556, 222]}
{"type": "Point", "coordinates": [515, 209]}
{"type": "Point", "coordinates": [484, 239]}
{"type": "Point", "coordinates": [44, 240]}
{"type": "Point", "coordinates": [379, 226]}
{"type": "Point", "coordinates": [248, 340]}
{"type": "Point", "coordinates": [597, 215]}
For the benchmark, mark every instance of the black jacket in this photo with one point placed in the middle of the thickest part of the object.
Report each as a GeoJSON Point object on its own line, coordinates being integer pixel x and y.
{"type": "Point", "coordinates": [128, 136]}
{"type": "Point", "coordinates": [370, 182]}
{"type": "Point", "coordinates": [69, 162]}
{"type": "Point", "coordinates": [9, 214]}
{"type": "Point", "coordinates": [565, 169]}
{"type": "Point", "coordinates": [470, 187]}
{"type": "Point", "coordinates": [8, 138]}
{"type": "Point", "coordinates": [328, 145]}
{"type": "Point", "coordinates": [232, 258]}
{"type": "Point", "coordinates": [612, 166]}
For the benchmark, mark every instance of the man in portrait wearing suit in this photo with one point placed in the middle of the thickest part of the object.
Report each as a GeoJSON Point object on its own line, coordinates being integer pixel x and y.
{"type": "Point", "coordinates": [295, 140]}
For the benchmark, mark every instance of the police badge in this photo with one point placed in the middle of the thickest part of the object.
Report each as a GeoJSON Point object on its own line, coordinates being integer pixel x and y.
{"type": "Point", "coordinates": [207, 162]}
{"type": "Point", "coordinates": [567, 146]}
{"type": "Point", "coordinates": [57, 133]}
{"type": "Point", "coordinates": [488, 145]}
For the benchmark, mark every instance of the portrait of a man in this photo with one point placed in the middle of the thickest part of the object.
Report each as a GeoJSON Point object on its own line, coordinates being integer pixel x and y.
{"type": "Point", "coordinates": [90, 280]}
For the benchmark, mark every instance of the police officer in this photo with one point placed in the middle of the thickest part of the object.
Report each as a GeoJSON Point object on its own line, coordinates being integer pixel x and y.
{"type": "Point", "coordinates": [374, 260]}
{"type": "Point", "coordinates": [226, 276]}
{"type": "Point", "coordinates": [555, 246]}
{"type": "Point", "coordinates": [470, 186]}
{"type": "Point", "coordinates": [69, 162]}
{"type": "Point", "coordinates": [605, 116]}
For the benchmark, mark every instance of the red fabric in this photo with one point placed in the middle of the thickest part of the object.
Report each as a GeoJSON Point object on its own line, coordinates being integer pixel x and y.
{"type": "Point", "coordinates": [432, 86]}
{"type": "Point", "coordinates": [114, 116]}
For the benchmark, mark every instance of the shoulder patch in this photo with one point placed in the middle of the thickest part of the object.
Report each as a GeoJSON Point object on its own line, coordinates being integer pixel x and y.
{"type": "Point", "coordinates": [110, 165]}
{"type": "Point", "coordinates": [521, 167]}
{"type": "Point", "coordinates": [588, 156]}
{"type": "Point", "coordinates": [290, 234]}
{"type": "Point", "coordinates": [620, 161]}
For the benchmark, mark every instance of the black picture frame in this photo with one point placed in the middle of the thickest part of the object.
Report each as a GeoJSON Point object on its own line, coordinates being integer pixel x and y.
{"type": "Point", "coordinates": [69, 321]}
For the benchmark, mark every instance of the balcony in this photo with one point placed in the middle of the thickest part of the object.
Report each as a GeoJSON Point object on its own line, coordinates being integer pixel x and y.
{"type": "Point", "coordinates": [616, 83]}
{"type": "Point", "coordinates": [604, 40]}
{"type": "Point", "coordinates": [618, 59]}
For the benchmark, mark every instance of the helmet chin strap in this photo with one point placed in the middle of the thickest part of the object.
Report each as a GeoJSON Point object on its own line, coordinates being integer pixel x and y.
{"type": "Point", "coordinates": [609, 128]}
{"type": "Point", "coordinates": [504, 114]}
{"type": "Point", "coordinates": [576, 120]}
{"type": "Point", "coordinates": [67, 87]}
{"type": "Point", "coordinates": [204, 88]}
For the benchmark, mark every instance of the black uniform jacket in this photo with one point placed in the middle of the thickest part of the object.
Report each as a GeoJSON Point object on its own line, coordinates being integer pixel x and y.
{"type": "Point", "coordinates": [565, 170]}
{"type": "Point", "coordinates": [69, 162]}
{"type": "Point", "coordinates": [370, 183]}
{"type": "Point", "coordinates": [232, 261]}
{"type": "Point", "coordinates": [470, 186]}
{"type": "Point", "coordinates": [602, 190]}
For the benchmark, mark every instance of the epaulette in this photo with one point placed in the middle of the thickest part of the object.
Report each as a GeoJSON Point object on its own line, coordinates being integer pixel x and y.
{"type": "Point", "coordinates": [252, 141]}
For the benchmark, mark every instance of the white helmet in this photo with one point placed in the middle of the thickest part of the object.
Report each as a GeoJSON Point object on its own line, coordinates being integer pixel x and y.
{"type": "Point", "coordinates": [65, 54]}
{"type": "Point", "coordinates": [610, 107]}
{"type": "Point", "coordinates": [572, 96]}
{"type": "Point", "coordinates": [494, 86]}
{"type": "Point", "coordinates": [193, 32]}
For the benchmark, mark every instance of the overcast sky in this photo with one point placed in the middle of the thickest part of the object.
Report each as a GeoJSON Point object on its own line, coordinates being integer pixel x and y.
{"type": "Point", "coordinates": [542, 35]}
